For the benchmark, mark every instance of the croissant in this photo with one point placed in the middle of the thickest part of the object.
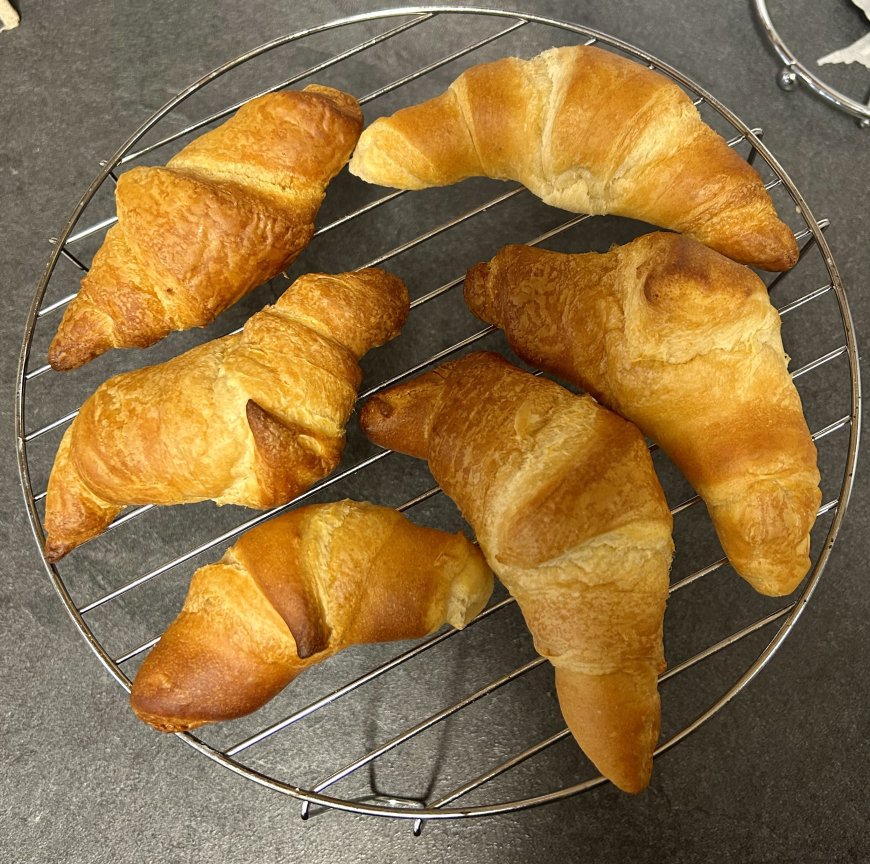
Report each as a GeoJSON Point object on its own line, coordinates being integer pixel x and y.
{"type": "Point", "coordinates": [685, 344]}
{"type": "Point", "coordinates": [588, 131]}
{"type": "Point", "coordinates": [253, 418]}
{"type": "Point", "coordinates": [292, 592]}
{"type": "Point", "coordinates": [230, 211]}
{"type": "Point", "coordinates": [564, 501]}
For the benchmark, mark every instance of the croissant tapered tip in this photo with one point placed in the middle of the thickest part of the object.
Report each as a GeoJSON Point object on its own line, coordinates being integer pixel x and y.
{"type": "Point", "coordinates": [60, 361]}
{"type": "Point", "coordinates": [787, 255]}
{"type": "Point", "coordinates": [377, 408]}
{"type": "Point", "coordinates": [616, 719]}
{"type": "Point", "coordinates": [164, 724]}
{"type": "Point", "coordinates": [774, 572]}
{"type": "Point", "coordinates": [772, 248]}
{"type": "Point", "coordinates": [344, 102]}
{"type": "Point", "coordinates": [765, 532]}
{"type": "Point", "coordinates": [480, 292]}
{"type": "Point", "coordinates": [70, 349]}
{"type": "Point", "coordinates": [380, 156]}
{"type": "Point", "coordinates": [54, 550]}
{"type": "Point", "coordinates": [207, 666]}
{"type": "Point", "coordinates": [376, 422]}
{"type": "Point", "coordinates": [402, 417]}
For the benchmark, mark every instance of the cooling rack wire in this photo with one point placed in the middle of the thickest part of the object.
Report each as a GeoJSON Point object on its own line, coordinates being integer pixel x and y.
{"type": "Point", "coordinates": [463, 774]}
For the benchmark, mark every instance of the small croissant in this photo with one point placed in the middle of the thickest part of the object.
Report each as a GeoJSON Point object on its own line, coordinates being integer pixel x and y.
{"type": "Point", "coordinates": [591, 132]}
{"type": "Point", "coordinates": [232, 210]}
{"type": "Point", "coordinates": [292, 592]}
{"type": "Point", "coordinates": [569, 513]}
{"type": "Point", "coordinates": [254, 418]}
{"type": "Point", "coordinates": [686, 344]}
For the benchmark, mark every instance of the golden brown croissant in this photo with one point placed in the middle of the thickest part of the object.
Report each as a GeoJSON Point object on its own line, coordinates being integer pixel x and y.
{"type": "Point", "coordinates": [253, 418]}
{"type": "Point", "coordinates": [686, 344]}
{"type": "Point", "coordinates": [570, 515]}
{"type": "Point", "coordinates": [588, 131]}
{"type": "Point", "coordinates": [292, 592]}
{"type": "Point", "coordinates": [233, 209]}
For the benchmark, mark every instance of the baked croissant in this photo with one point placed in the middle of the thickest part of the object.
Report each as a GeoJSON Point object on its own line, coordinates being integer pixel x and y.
{"type": "Point", "coordinates": [685, 344]}
{"type": "Point", "coordinates": [253, 418]}
{"type": "Point", "coordinates": [292, 592]}
{"type": "Point", "coordinates": [230, 211]}
{"type": "Point", "coordinates": [565, 503]}
{"type": "Point", "coordinates": [591, 132]}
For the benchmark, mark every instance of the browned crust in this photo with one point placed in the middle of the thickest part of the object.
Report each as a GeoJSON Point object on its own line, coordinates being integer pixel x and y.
{"type": "Point", "coordinates": [230, 211]}
{"type": "Point", "coordinates": [272, 554]}
{"type": "Point", "coordinates": [564, 501]}
{"type": "Point", "coordinates": [621, 742]}
{"type": "Point", "coordinates": [288, 457]}
{"type": "Point", "coordinates": [253, 418]}
{"type": "Point", "coordinates": [401, 418]}
{"type": "Point", "coordinates": [73, 514]}
{"type": "Point", "coordinates": [589, 131]}
{"type": "Point", "coordinates": [222, 657]}
{"type": "Point", "coordinates": [363, 309]}
{"type": "Point", "coordinates": [596, 495]}
{"type": "Point", "coordinates": [685, 343]}
{"type": "Point", "coordinates": [295, 590]}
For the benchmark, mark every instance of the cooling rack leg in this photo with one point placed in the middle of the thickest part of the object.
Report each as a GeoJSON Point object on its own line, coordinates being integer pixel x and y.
{"type": "Point", "coordinates": [759, 134]}
{"type": "Point", "coordinates": [787, 79]}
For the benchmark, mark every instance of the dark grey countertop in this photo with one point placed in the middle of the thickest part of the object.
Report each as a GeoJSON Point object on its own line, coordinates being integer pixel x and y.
{"type": "Point", "coordinates": [779, 775]}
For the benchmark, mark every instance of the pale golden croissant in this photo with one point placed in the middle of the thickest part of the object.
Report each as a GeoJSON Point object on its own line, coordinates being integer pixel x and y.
{"type": "Point", "coordinates": [230, 211]}
{"type": "Point", "coordinates": [568, 511]}
{"type": "Point", "coordinates": [588, 131]}
{"type": "Point", "coordinates": [253, 418]}
{"type": "Point", "coordinates": [686, 344]}
{"type": "Point", "coordinates": [294, 591]}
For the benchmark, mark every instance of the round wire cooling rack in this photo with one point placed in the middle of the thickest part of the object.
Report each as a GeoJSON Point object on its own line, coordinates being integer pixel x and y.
{"type": "Point", "coordinates": [378, 712]}
{"type": "Point", "coordinates": [794, 71]}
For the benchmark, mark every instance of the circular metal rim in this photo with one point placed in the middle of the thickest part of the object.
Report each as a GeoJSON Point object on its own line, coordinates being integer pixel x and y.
{"type": "Point", "coordinates": [813, 82]}
{"type": "Point", "coordinates": [792, 613]}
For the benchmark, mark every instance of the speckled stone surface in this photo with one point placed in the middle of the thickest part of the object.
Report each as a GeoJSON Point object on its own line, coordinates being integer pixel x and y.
{"type": "Point", "coordinates": [780, 775]}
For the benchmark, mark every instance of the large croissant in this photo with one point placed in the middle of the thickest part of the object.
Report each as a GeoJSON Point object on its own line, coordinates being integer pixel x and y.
{"type": "Point", "coordinates": [227, 213]}
{"type": "Point", "coordinates": [253, 418]}
{"type": "Point", "coordinates": [570, 515]}
{"type": "Point", "coordinates": [294, 591]}
{"type": "Point", "coordinates": [589, 131]}
{"type": "Point", "coordinates": [686, 344]}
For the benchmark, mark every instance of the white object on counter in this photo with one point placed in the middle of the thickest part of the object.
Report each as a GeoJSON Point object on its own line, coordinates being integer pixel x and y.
{"type": "Point", "coordinates": [857, 52]}
{"type": "Point", "coordinates": [9, 17]}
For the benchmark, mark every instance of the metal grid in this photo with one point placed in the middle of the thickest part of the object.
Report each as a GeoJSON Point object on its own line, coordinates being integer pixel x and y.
{"type": "Point", "coordinates": [839, 427]}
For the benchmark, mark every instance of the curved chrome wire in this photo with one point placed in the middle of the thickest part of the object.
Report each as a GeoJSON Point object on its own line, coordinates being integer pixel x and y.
{"type": "Point", "coordinates": [794, 71]}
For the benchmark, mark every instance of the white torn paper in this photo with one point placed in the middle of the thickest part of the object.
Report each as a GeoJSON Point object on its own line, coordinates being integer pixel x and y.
{"type": "Point", "coordinates": [857, 52]}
